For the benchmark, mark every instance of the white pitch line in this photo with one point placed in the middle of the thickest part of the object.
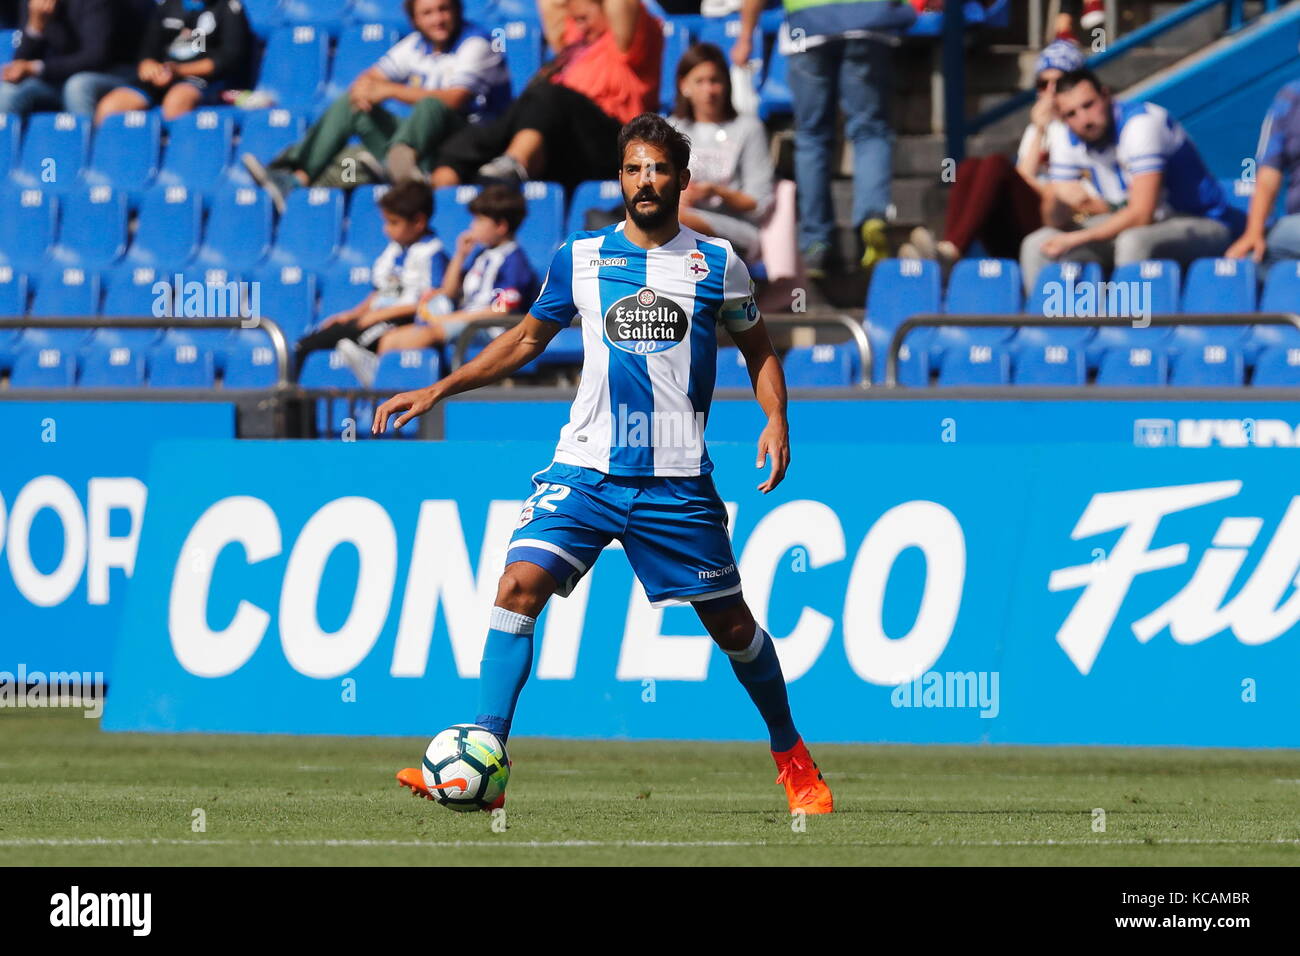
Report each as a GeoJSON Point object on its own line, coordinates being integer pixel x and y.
{"type": "Point", "coordinates": [650, 844]}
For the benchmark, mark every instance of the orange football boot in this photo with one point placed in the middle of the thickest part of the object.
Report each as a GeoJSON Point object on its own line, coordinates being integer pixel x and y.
{"type": "Point", "coordinates": [413, 777]}
{"type": "Point", "coordinates": [805, 788]}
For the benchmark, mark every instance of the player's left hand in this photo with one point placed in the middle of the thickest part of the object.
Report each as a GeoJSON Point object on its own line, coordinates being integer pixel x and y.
{"type": "Point", "coordinates": [774, 443]}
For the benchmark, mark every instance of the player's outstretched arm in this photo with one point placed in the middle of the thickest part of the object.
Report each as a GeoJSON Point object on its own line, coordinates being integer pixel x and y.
{"type": "Point", "coordinates": [504, 355]}
{"type": "Point", "coordinates": [768, 378]}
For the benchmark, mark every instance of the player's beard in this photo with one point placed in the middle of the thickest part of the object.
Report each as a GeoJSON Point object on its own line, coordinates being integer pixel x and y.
{"type": "Point", "coordinates": [660, 216]}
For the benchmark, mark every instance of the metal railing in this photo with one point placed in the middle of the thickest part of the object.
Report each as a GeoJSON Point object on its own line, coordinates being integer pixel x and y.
{"type": "Point", "coordinates": [818, 318]}
{"type": "Point", "coordinates": [279, 344]}
{"type": "Point", "coordinates": [937, 320]}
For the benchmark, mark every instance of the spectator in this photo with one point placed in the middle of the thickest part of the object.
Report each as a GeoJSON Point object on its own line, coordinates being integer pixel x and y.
{"type": "Point", "coordinates": [565, 125]}
{"type": "Point", "coordinates": [1162, 201]}
{"type": "Point", "coordinates": [489, 275]}
{"type": "Point", "coordinates": [71, 53]}
{"type": "Point", "coordinates": [192, 51]}
{"type": "Point", "coordinates": [1279, 157]}
{"type": "Point", "coordinates": [731, 174]}
{"type": "Point", "coordinates": [447, 69]}
{"type": "Point", "coordinates": [993, 201]}
{"type": "Point", "coordinates": [412, 263]}
{"type": "Point", "coordinates": [833, 45]}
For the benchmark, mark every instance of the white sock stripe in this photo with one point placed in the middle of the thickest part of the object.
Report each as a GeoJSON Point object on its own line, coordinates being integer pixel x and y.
{"type": "Point", "coordinates": [754, 649]}
{"type": "Point", "coordinates": [512, 622]}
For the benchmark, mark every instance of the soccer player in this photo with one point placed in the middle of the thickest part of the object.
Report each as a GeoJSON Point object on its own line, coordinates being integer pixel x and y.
{"type": "Point", "coordinates": [650, 294]}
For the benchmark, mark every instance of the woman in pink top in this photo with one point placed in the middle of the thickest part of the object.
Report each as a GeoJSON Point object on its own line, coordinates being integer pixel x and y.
{"type": "Point", "coordinates": [564, 126]}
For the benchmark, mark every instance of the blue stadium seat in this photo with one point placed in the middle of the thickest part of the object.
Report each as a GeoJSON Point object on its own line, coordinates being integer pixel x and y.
{"type": "Point", "coordinates": [1216, 286]}
{"type": "Point", "coordinates": [250, 362]}
{"type": "Point", "coordinates": [265, 133]}
{"type": "Point", "coordinates": [167, 228]}
{"type": "Point", "coordinates": [9, 40]}
{"type": "Point", "coordinates": [311, 228]}
{"type": "Point", "coordinates": [181, 366]}
{"type": "Point", "coordinates": [92, 231]}
{"type": "Point", "coordinates": [327, 14]}
{"type": "Point", "coordinates": [1277, 366]}
{"type": "Point", "coordinates": [539, 235]}
{"type": "Point", "coordinates": [263, 16]}
{"type": "Point", "coordinates": [677, 40]}
{"type": "Point", "coordinates": [1241, 192]}
{"type": "Point", "coordinates": [595, 194]}
{"type": "Point", "coordinates": [205, 293]}
{"type": "Point", "coordinates": [131, 292]}
{"type": "Point", "coordinates": [975, 365]}
{"type": "Point", "coordinates": [523, 44]}
{"type": "Point", "coordinates": [327, 370]}
{"type": "Point", "coordinates": [819, 366]}
{"type": "Point", "coordinates": [360, 47]}
{"type": "Point", "coordinates": [11, 138]}
{"type": "Point", "coordinates": [114, 366]}
{"type": "Point", "coordinates": [1050, 365]}
{"type": "Point", "coordinates": [13, 293]}
{"type": "Point", "coordinates": [27, 226]}
{"type": "Point", "coordinates": [54, 151]}
{"type": "Point", "coordinates": [343, 288]}
{"type": "Point", "coordinates": [294, 65]}
{"type": "Point", "coordinates": [126, 152]}
{"type": "Point", "coordinates": [1208, 365]}
{"type": "Point", "coordinates": [68, 292]}
{"type": "Point", "coordinates": [732, 370]}
{"type": "Point", "coordinates": [47, 367]}
{"type": "Point", "coordinates": [977, 286]}
{"type": "Point", "coordinates": [287, 296]}
{"type": "Point", "coordinates": [386, 11]}
{"type": "Point", "coordinates": [564, 349]}
{"type": "Point", "coordinates": [774, 97]}
{"type": "Point", "coordinates": [365, 238]}
{"type": "Point", "coordinates": [198, 152]}
{"type": "Point", "coordinates": [451, 211]}
{"type": "Point", "coordinates": [1132, 367]}
{"type": "Point", "coordinates": [238, 231]}
{"type": "Point", "coordinates": [900, 288]}
{"type": "Point", "coordinates": [496, 12]}
{"type": "Point", "coordinates": [1159, 282]}
{"type": "Point", "coordinates": [913, 366]}
{"type": "Point", "coordinates": [406, 370]}
{"type": "Point", "coordinates": [1062, 289]}
{"type": "Point", "coordinates": [1281, 294]}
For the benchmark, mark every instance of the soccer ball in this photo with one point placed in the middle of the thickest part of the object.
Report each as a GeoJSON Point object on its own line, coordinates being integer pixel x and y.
{"type": "Point", "coordinates": [466, 768]}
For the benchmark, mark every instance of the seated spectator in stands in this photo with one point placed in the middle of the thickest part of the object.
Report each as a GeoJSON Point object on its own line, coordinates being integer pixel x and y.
{"type": "Point", "coordinates": [72, 52]}
{"type": "Point", "coordinates": [411, 264]}
{"type": "Point", "coordinates": [448, 70]}
{"type": "Point", "coordinates": [565, 125]}
{"type": "Point", "coordinates": [993, 201]}
{"type": "Point", "coordinates": [488, 276]}
{"type": "Point", "coordinates": [731, 172]}
{"type": "Point", "coordinates": [1279, 158]}
{"type": "Point", "coordinates": [192, 51]}
{"type": "Point", "coordinates": [1163, 203]}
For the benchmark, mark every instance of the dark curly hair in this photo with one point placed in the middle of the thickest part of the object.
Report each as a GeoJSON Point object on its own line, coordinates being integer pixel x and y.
{"type": "Point", "coordinates": [654, 129]}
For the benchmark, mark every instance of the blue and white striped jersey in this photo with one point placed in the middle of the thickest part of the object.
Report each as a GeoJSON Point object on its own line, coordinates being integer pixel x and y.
{"type": "Point", "coordinates": [650, 350]}
{"type": "Point", "coordinates": [1147, 139]}
{"type": "Point", "coordinates": [402, 274]}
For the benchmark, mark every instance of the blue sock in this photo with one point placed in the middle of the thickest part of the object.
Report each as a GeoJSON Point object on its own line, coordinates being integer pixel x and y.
{"type": "Point", "coordinates": [507, 659]}
{"type": "Point", "coordinates": [759, 670]}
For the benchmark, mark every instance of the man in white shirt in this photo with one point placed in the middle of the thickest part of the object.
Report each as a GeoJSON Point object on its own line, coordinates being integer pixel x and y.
{"type": "Point", "coordinates": [1163, 201]}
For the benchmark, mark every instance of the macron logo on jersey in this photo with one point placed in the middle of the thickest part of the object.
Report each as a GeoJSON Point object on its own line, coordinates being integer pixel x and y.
{"type": "Point", "coordinates": [620, 262]}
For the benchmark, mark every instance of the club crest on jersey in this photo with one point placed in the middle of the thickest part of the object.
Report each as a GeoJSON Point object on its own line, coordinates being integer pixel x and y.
{"type": "Point", "coordinates": [646, 322]}
{"type": "Point", "coordinates": [697, 267]}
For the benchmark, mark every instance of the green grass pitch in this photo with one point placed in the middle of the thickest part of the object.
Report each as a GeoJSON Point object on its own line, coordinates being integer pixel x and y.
{"type": "Point", "coordinates": [72, 795]}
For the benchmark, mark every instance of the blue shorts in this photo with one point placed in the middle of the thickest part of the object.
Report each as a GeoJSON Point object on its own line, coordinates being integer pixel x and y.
{"type": "Point", "coordinates": [674, 531]}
